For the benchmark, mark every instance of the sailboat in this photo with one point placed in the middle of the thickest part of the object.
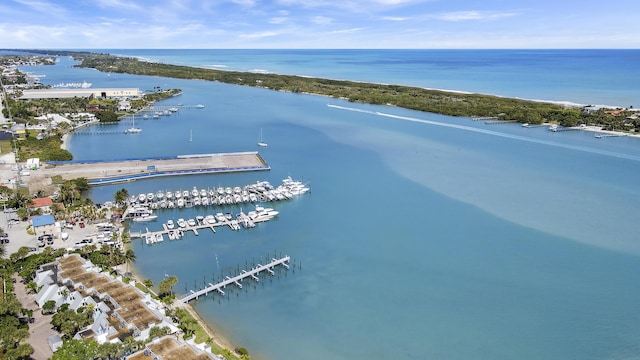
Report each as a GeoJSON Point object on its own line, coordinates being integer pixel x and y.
{"type": "Point", "coordinates": [133, 128]}
{"type": "Point", "coordinates": [261, 142]}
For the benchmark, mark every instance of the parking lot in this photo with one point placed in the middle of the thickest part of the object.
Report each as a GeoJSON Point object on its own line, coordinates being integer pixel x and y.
{"type": "Point", "coordinates": [17, 235]}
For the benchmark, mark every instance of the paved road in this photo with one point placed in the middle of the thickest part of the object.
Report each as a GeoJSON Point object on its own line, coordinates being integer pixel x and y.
{"type": "Point", "coordinates": [40, 329]}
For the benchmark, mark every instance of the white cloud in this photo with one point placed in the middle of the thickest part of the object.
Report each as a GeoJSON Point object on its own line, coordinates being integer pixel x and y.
{"type": "Point", "coordinates": [346, 31]}
{"type": "Point", "coordinates": [277, 20]}
{"type": "Point", "coordinates": [43, 7]}
{"type": "Point", "coordinates": [394, 18]}
{"type": "Point", "coordinates": [117, 4]}
{"type": "Point", "coordinates": [321, 20]}
{"type": "Point", "coordinates": [259, 35]}
{"type": "Point", "coordinates": [473, 15]}
{"type": "Point", "coordinates": [247, 3]}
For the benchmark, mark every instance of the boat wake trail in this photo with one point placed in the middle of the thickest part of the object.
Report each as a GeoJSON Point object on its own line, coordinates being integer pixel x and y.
{"type": "Point", "coordinates": [493, 133]}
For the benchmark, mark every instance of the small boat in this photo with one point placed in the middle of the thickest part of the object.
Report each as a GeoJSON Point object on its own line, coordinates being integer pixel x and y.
{"type": "Point", "coordinates": [170, 224]}
{"type": "Point", "coordinates": [182, 223]}
{"type": "Point", "coordinates": [159, 237]}
{"type": "Point", "coordinates": [200, 219]}
{"type": "Point", "coordinates": [261, 141]}
{"type": "Point", "coordinates": [210, 219]}
{"type": "Point", "coordinates": [199, 106]}
{"type": "Point", "coordinates": [145, 217]}
{"type": "Point", "coordinates": [191, 222]}
{"type": "Point", "coordinates": [194, 192]}
{"type": "Point", "coordinates": [133, 129]}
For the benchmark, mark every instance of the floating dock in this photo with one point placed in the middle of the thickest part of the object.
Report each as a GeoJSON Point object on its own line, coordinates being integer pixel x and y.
{"type": "Point", "coordinates": [237, 279]}
{"type": "Point", "coordinates": [100, 172]}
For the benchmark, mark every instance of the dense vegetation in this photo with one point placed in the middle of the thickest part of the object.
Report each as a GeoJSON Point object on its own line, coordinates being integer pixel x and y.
{"type": "Point", "coordinates": [434, 101]}
{"type": "Point", "coordinates": [415, 98]}
{"type": "Point", "coordinates": [45, 149]}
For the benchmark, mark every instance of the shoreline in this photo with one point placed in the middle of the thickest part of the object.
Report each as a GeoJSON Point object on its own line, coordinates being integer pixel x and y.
{"type": "Point", "coordinates": [211, 330]}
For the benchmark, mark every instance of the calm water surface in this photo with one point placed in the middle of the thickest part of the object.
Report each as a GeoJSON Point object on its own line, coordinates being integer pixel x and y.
{"type": "Point", "coordinates": [423, 237]}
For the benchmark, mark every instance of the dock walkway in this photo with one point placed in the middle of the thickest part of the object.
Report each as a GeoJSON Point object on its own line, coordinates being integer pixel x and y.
{"type": "Point", "coordinates": [236, 279]}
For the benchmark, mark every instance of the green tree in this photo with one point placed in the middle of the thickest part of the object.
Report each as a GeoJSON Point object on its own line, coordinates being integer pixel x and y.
{"type": "Point", "coordinates": [148, 283]}
{"type": "Point", "coordinates": [165, 286]}
{"type": "Point", "coordinates": [48, 307]}
{"type": "Point", "coordinates": [129, 257]}
{"type": "Point", "coordinates": [76, 349]}
{"type": "Point", "coordinates": [121, 196]}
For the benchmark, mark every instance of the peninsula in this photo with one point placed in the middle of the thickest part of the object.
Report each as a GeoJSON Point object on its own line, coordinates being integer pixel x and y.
{"type": "Point", "coordinates": [414, 98]}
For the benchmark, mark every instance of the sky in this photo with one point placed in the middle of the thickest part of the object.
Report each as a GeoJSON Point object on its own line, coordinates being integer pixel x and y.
{"type": "Point", "coordinates": [327, 24]}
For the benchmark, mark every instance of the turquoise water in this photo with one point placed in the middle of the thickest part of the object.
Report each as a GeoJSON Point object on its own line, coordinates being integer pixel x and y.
{"type": "Point", "coordinates": [424, 236]}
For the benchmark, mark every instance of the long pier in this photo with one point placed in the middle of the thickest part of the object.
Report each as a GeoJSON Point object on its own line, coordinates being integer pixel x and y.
{"type": "Point", "coordinates": [236, 279]}
{"type": "Point", "coordinates": [100, 172]}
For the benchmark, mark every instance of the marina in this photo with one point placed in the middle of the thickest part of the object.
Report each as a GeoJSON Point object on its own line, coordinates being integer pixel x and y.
{"type": "Point", "coordinates": [194, 295]}
{"type": "Point", "coordinates": [261, 191]}
{"type": "Point", "coordinates": [212, 221]}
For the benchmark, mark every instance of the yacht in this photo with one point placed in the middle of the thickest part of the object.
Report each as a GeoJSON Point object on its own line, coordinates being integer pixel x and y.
{"type": "Point", "coordinates": [170, 224]}
{"type": "Point", "coordinates": [169, 195]}
{"type": "Point", "coordinates": [160, 195]}
{"type": "Point", "coordinates": [210, 219]}
{"type": "Point", "coordinates": [194, 192]}
{"type": "Point", "coordinates": [145, 217]}
{"type": "Point", "coordinates": [180, 203]}
{"type": "Point", "coordinates": [204, 201]}
{"type": "Point", "coordinates": [185, 193]}
{"type": "Point", "coordinates": [150, 196]}
{"type": "Point", "coordinates": [196, 201]}
{"type": "Point", "coordinates": [203, 192]}
{"type": "Point", "coordinates": [178, 194]}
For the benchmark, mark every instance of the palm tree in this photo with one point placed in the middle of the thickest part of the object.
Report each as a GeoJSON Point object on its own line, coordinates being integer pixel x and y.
{"type": "Point", "coordinates": [129, 257]}
{"type": "Point", "coordinates": [121, 196]}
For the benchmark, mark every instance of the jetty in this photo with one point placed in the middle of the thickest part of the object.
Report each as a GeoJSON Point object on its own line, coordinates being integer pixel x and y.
{"type": "Point", "coordinates": [253, 273]}
{"type": "Point", "coordinates": [100, 172]}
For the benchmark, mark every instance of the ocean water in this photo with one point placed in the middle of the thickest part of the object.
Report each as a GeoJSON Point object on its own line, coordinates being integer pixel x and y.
{"type": "Point", "coordinates": [424, 236]}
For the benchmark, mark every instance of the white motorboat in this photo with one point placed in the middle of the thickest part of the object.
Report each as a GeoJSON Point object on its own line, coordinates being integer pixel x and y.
{"type": "Point", "coordinates": [182, 223]}
{"type": "Point", "coordinates": [203, 192]}
{"type": "Point", "coordinates": [191, 222]}
{"type": "Point", "coordinates": [169, 195]}
{"type": "Point", "coordinates": [194, 192]}
{"type": "Point", "coordinates": [180, 202]}
{"type": "Point", "coordinates": [200, 219]}
{"type": "Point", "coordinates": [204, 201]}
{"type": "Point", "coordinates": [159, 237]}
{"type": "Point", "coordinates": [210, 219]}
{"type": "Point", "coordinates": [196, 201]}
{"type": "Point", "coordinates": [145, 217]}
{"type": "Point", "coordinates": [170, 224]}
